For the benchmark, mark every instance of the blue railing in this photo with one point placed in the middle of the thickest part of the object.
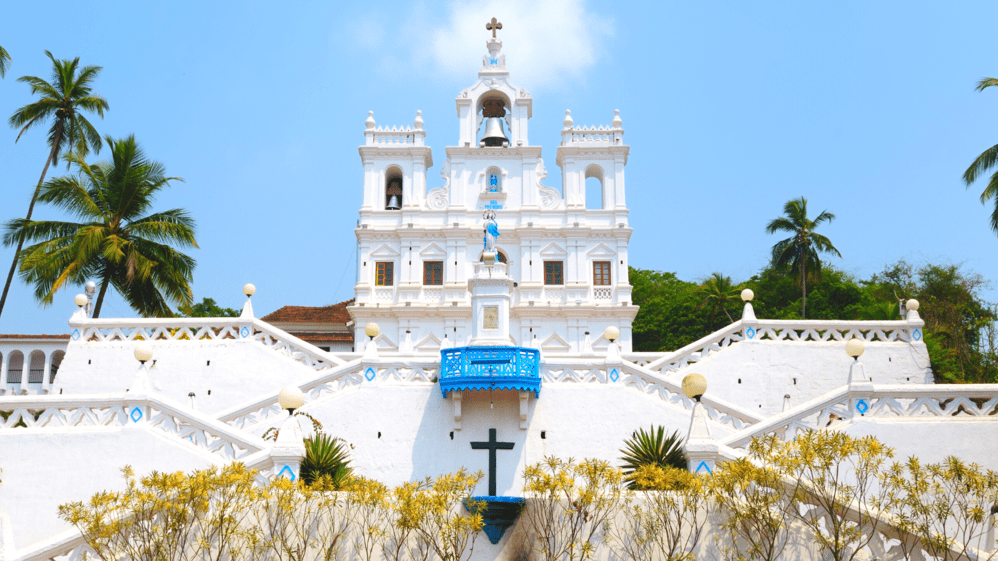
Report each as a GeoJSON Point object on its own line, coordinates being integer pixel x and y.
{"type": "Point", "coordinates": [490, 368]}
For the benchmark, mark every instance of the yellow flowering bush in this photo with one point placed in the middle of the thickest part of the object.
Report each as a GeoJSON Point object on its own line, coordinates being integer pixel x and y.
{"type": "Point", "coordinates": [569, 505]}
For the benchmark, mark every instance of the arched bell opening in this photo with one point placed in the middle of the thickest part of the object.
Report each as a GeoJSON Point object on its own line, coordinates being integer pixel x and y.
{"type": "Point", "coordinates": [393, 188]}
{"type": "Point", "coordinates": [493, 111]}
{"type": "Point", "coordinates": [595, 194]}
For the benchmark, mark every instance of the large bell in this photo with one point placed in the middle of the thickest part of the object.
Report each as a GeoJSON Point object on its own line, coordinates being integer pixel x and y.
{"type": "Point", "coordinates": [393, 203]}
{"type": "Point", "coordinates": [494, 135]}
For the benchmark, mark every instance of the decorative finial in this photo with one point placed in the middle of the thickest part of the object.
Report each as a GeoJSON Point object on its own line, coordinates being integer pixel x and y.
{"type": "Point", "coordinates": [418, 123]}
{"type": "Point", "coordinates": [616, 119]}
{"type": "Point", "coordinates": [493, 26]}
{"type": "Point", "coordinates": [370, 120]}
{"type": "Point", "coordinates": [568, 119]}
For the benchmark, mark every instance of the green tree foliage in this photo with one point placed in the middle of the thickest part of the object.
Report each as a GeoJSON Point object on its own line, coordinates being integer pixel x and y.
{"type": "Point", "coordinates": [719, 295]}
{"type": "Point", "coordinates": [799, 253]}
{"type": "Point", "coordinates": [960, 332]}
{"type": "Point", "coordinates": [326, 456]}
{"type": "Point", "coordinates": [670, 316]}
{"type": "Point", "coordinates": [4, 62]}
{"type": "Point", "coordinates": [61, 101]}
{"type": "Point", "coordinates": [985, 163]}
{"type": "Point", "coordinates": [208, 308]}
{"type": "Point", "coordinates": [115, 241]}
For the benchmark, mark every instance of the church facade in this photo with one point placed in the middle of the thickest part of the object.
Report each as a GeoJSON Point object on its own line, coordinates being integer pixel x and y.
{"type": "Point", "coordinates": [418, 245]}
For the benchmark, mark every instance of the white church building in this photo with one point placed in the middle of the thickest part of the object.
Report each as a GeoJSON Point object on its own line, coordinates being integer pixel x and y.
{"type": "Point", "coordinates": [488, 306]}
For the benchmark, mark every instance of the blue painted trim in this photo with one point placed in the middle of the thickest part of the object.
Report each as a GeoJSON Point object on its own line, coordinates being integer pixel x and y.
{"type": "Point", "coordinates": [499, 514]}
{"type": "Point", "coordinates": [614, 376]}
{"type": "Point", "coordinates": [490, 368]}
{"type": "Point", "coordinates": [750, 332]}
{"type": "Point", "coordinates": [917, 334]}
{"type": "Point", "coordinates": [136, 415]}
{"type": "Point", "coordinates": [703, 465]}
{"type": "Point", "coordinates": [370, 374]}
{"type": "Point", "coordinates": [244, 332]}
{"type": "Point", "coordinates": [76, 334]}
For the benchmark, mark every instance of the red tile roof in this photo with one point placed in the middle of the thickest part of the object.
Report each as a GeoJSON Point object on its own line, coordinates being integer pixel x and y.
{"type": "Point", "coordinates": [18, 336]}
{"type": "Point", "coordinates": [337, 313]}
{"type": "Point", "coordinates": [316, 338]}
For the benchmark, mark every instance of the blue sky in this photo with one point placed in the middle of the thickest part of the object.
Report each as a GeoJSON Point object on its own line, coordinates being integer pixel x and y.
{"type": "Point", "coordinates": [866, 108]}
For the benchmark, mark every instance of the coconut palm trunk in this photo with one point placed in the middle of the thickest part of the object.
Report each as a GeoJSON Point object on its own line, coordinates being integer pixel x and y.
{"type": "Point", "coordinates": [100, 297]}
{"type": "Point", "coordinates": [31, 210]}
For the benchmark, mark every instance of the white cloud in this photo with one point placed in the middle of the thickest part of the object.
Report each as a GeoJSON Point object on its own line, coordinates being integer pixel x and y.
{"type": "Point", "coordinates": [545, 41]}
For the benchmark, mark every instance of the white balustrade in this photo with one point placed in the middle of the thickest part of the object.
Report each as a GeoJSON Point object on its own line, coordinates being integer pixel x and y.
{"type": "Point", "coordinates": [592, 136]}
{"type": "Point", "coordinates": [602, 294]}
{"type": "Point", "coordinates": [698, 350]}
{"type": "Point", "coordinates": [943, 401]}
{"type": "Point", "coordinates": [109, 410]}
{"type": "Point", "coordinates": [380, 136]}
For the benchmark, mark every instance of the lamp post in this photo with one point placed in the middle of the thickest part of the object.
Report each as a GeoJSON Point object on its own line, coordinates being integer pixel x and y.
{"type": "Point", "coordinates": [701, 448]}
{"type": "Point", "coordinates": [289, 448]}
{"type": "Point", "coordinates": [611, 334]}
{"type": "Point", "coordinates": [249, 289]}
{"type": "Point", "coordinates": [290, 398]}
{"type": "Point", "coordinates": [90, 287]}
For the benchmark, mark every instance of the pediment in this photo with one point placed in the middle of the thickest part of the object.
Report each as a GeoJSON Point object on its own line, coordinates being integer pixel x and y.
{"type": "Point", "coordinates": [385, 343]}
{"type": "Point", "coordinates": [432, 251]}
{"type": "Point", "coordinates": [600, 344]}
{"type": "Point", "coordinates": [385, 250]}
{"type": "Point", "coordinates": [428, 343]}
{"type": "Point", "coordinates": [555, 343]}
{"type": "Point", "coordinates": [553, 250]}
{"type": "Point", "coordinates": [601, 250]}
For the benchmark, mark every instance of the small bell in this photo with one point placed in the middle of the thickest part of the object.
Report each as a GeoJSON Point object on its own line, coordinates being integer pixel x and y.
{"type": "Point", "coordinates": [394, 195]}
{"type": "Point", "coordinates": [393, 203]}
{"type": "Point", "coordinates": [494, 135]}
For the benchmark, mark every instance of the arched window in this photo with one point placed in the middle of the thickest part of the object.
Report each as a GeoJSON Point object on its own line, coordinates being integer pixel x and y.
{"type": "Point", "coordinates": [595, 198]}
{"type": "Point", "coordinates": [56, 361]}
{"type": "Point", "coordinates": [393, 188]}
{"type": "Point", "coordinates": [15, 364]}
{"type": "Point", "coordinates": [493, 180]}
{"type": "Point", "coordinates": [36, 371]}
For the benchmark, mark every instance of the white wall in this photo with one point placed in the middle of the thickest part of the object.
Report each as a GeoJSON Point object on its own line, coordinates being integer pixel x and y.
{"type": "Point", "coordinates": [44, 468]}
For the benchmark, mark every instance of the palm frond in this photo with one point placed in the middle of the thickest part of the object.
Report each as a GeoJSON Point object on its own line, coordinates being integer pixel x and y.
{"type": "Point", "coordinates": [652, 448]}
{"type": "Point", "coordinates": [986, 83]}
{"type": "Point", "coordinates": [4, 62]}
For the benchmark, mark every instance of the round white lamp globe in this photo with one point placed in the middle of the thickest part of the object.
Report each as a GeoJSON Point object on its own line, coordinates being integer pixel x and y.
{"type": "Point", "coordinates": [748, 295]}
{"type": "Point", "coordinates": [290, 398]}
{"type": "Point", "coordinates": [911, 305]}
{"type": "Point", "coordinates": [372, 330]}
{"type": "Point", "coordinates": [611, 334]}
{"type": "Point", "coordinates": [854, 347]}
{"type": "Point", "coordinates": [249, 289]}
{"type": "Point", "coordinates": [143, 352]}
{"type": "Point", "coordinates": [694, 386]}
{"type": "Point", "coordinates": [90, 287]}
{"type": "Point", "coordinates": [80, 300]}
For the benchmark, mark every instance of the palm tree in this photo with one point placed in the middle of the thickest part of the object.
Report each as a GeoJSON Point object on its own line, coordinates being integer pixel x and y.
{"type": "Point", "coordinates": [113, 242]}
{"type": "Point", "coordinates": [799, 253]}
{"type": "Point", "coordinates": [4, 62]}
{"type": "Point", "coordinates": [987, 160]}
{"type": "Point", "coordinates": [62, 100]}
{"type": "Point", "coordinates": [717, 291]}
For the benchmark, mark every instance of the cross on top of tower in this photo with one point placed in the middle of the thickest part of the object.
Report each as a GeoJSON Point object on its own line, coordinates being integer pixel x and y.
{"type": "Point", "coordinates": [493, 26]}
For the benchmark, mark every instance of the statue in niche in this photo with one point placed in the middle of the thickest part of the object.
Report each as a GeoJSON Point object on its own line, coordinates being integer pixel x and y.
{"type": "Point", "coordinates": [491, 229]}
{"type": "Point", "coordinates": [493, 182]}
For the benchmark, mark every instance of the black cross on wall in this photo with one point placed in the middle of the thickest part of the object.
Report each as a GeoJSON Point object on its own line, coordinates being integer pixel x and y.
{"type": "Point", "coordinates": [492, 446]}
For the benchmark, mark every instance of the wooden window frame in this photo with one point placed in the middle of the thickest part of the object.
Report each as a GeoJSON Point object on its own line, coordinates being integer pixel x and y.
{"type": "Point", "coordinates": [384, 273]}
{"type": "Point", "coordinates": [556, 276]}
{"type": "Point", "coordinates": [602, 272]}
{"type": "Point", "coordinates": [430, 275]}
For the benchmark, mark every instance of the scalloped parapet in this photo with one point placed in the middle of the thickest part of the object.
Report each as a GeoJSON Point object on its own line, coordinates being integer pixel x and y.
{"type": "Point", "coordinates": [490, 368]}
{"type": "Point", "coordinates": [592, 135]}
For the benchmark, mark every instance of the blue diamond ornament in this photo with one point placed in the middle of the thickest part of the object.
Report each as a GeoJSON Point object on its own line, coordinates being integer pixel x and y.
{"type": "Point", "coordinates": [614, 375]}
{"type": "Point", "coordinates": [917, 334]}
{"type": "Point", "coordinates": [136, 415]}
{"type": "Point", "coordinates": [286, 472]}
{"type": "Point", "coordinates": [76, 334]}
{"type": "Point", "coordinates": [862, 407]}
{"type": "Point", "coordinates": [703, 465]}
{"type": "Point", "coordinates": [369, 374]}
{"type": "Point", "coordinates": [244, 332]}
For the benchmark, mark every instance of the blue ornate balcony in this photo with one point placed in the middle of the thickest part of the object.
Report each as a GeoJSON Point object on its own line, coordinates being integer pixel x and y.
{"type": "Point", "coordinates": [490, 368]}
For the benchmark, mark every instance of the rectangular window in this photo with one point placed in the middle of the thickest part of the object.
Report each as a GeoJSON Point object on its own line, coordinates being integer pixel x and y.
{"type": "Point", "coordinates": [601, 273]}
{"type": "Point", "coordinates": [433, 272]}
{"type": "Point", "coordinates": [552, 272]}
{"type": "Point", "coordinates": [386, 277]}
